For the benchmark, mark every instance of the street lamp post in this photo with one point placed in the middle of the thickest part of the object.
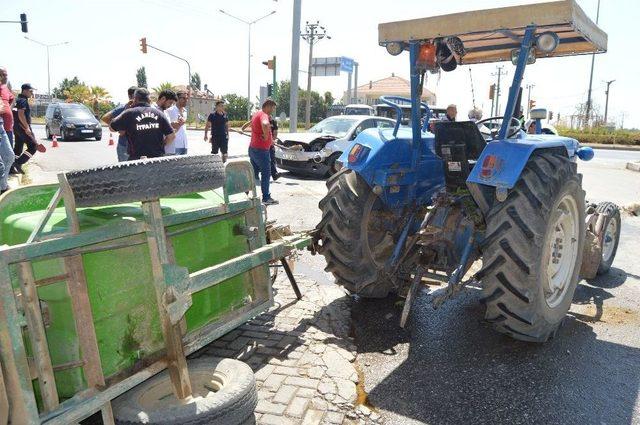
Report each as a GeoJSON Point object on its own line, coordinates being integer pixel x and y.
{"type": "Point", "coordinates": [48, 66]}
{"type": "Point", "coordinates": [248, 23]}
{"type": "Point", "coordinates": [606, 104]}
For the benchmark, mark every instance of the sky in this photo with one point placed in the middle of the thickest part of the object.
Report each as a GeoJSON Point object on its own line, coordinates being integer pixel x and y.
{"type": "Point", "coordinates": [104, 48]}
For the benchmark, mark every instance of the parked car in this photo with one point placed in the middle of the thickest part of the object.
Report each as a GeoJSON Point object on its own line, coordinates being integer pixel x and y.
{"type": "Point", "coordinates": [71, 121]}
{"type": "Point", "coordinates": [315, 152]}
{"type": "Point", "coordinates": [358, 109]}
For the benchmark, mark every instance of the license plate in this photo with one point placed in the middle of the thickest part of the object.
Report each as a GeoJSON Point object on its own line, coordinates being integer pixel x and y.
{"type": "Point", "coordinates": [87, 131]}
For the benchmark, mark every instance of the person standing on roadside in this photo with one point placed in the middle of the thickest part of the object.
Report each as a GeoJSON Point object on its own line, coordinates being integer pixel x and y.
{"type": "Point", "coordinates": [147, 128]}
{"type": "Point", "coordinates": [7, 98]}
{"type": "Point", "coordinates": [261, 141]}
{"type": "Point", "coordinates": [218, 122]}
{"type": "Point", "coordinates": [123, 142]}
{"type": "Point", "coordinates": [6, 153]}
{"type": "Point", "coordinates": [275, 175]}
{"type": "Point", "coordinates": [166, 99]}
{"type": "Point", "coordinates": [178, 117]}
{"type": "Point", "coordinates": [22, 130]}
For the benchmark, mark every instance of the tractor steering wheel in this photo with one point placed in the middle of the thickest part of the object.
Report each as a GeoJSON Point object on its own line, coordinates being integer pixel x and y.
{"type": "Point", "coordinates": [513, 129]}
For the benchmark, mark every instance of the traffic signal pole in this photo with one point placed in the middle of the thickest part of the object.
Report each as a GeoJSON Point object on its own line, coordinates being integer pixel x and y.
{"type": "Point", "coordinates": [23, 22]}
{"type": "Point", "coordinates": [143, 48]}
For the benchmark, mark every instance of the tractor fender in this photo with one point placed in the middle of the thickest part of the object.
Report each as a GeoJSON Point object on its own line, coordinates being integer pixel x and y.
{"type": "Point", "coordinates": [502, 161]}
{"type": "Point", "coordinates": [386, 167]}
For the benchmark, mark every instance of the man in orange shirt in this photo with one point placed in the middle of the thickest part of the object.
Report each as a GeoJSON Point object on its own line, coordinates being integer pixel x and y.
{"type": "Point", "coordinates": [261, 141]}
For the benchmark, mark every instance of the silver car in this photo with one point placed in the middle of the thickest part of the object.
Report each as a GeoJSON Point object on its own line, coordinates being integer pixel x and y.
{"type": "Point", "coordinates": [314, 153]}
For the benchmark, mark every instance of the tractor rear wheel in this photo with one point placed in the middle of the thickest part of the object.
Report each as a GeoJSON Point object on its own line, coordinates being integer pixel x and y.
{"type": "Point", "coordinates": [533, 249]}
{"type": "Point", "coordinates": [353, 240]}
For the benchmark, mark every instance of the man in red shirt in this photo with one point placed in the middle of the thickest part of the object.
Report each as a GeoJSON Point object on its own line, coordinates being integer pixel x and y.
{"type": "Point", "coordinates": [7, 98]}
{"type": "Point", "coordinates": [261, 141]}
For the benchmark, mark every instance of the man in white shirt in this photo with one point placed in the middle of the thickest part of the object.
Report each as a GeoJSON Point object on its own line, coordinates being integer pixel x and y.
{"type": "Point", "coordinates": [178, 116]}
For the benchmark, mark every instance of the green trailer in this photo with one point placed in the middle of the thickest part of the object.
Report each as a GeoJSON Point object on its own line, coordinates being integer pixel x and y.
{"type": "Point", "coordinates": [115, 274]}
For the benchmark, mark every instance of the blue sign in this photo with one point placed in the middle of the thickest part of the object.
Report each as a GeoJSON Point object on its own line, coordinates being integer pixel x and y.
{"type": "Point", "coordinates": [346, 64]}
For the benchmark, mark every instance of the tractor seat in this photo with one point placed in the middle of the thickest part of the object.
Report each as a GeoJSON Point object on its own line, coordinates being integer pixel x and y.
{"type": "Point", "coordinates": [459, 145]}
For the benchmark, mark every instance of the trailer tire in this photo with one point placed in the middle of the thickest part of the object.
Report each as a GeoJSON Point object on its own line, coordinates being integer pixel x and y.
{"type": "Point", "coordinates": [232, 402]}
{"type": "Point", "coordinates": [146, 179]}
{"type": "Point", "coordinates": [347, 211]}
{"type": "Point", "coordinates": [611, 229]}
{"type": "Point", "coordinates": [533, 248]}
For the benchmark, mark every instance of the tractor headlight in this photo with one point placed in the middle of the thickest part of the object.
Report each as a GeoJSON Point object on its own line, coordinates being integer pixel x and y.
{"type": "Point", "coordinates": [547, 42]}
{"type": "Point", "coordinates": [395, 48]}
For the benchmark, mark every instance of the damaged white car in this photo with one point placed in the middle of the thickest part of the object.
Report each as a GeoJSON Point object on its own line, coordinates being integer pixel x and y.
{"type": "Point", "coordinates": [315, 152]}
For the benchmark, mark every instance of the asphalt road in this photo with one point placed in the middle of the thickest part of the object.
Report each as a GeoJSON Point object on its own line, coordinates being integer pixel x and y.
{"type": "Point", "coordinates": [448, 366]}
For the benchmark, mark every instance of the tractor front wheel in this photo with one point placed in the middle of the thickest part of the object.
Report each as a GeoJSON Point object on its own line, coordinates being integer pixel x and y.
{"type": "Point", "coordinates": [352, 236]}
{"type": "Point", "coordinates": [533, 249]}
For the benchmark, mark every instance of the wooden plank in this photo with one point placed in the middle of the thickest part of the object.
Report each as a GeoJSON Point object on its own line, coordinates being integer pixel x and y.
{"type": "Point", "coordinates": [51, 280]}
{"type": "Point", "coordinates": [13, 356]}
{"type": "Point", "coordinates": [86, 402]}
{"type": "Point", "coordinates": [157, 240]}
{"type": "Point", "coordinates": [38, 337]}
{"type": "Point", "coordinates": [68, 365]}
{"type": "Point", "coordinates": [73, 222]}
{"type": "Point", "coordinates": [45, 217]}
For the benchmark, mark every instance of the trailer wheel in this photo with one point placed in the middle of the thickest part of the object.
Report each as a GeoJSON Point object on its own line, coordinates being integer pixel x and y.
{"type": "Point", "coordinates": [146, 179]}
{"type": "Point", "coordinates": [353, 241]}
{"type": "Point", "coordinates": [611, 237]}
{"type": "Point", "coordinates": [224, 392]}
{"type": "Point", "coordinates": [533, 247]}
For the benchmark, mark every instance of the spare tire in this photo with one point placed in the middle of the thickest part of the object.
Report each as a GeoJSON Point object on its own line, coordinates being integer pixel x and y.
{"type": "Point", "coordinates": [146, 179]}
{"type": "Point", "coordinates": [224, 392]}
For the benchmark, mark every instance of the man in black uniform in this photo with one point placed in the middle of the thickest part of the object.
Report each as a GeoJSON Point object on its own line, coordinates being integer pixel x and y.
{"type": "Point", "coordinates": [147, 128]}
{"type": "Point", "coordinates": [22, 130]}
{"type": "Point", "coordinates": [275, 175]}
{"type": "Point", "coordinates": [218, 121]}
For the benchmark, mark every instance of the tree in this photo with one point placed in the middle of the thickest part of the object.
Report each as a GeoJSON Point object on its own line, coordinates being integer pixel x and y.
{"type": "Point", "coordinates": [195, 81]}
{"type": "Point", "coordinates": [319, 104]}
{"type": "Point", "coordinates": [164, 86]}
{"type": "Point", "coordinates": [328, 99]}
{"type": "Point", "coordinates": [236, 106]}
{"type": "Point", "coordinates": [65, 85]}
{"type": "Point", "coordinates": [141, 77]}
{"type": "Point", "coordinates": [98, 95]}
{"type": "Point", "coordinates": [78, 93]}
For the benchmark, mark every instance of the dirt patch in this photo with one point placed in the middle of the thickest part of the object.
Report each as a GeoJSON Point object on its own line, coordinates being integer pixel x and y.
{"type": "Point", "coordinates": [363, 397]}
{"type": "Point", "coordinates": [611, 315]}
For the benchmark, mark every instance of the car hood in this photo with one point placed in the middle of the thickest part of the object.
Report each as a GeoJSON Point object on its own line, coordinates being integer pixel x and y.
{"type": "Point", "coordinates": [80, 121]}
{"type": "Point", "coordinates": [305, 138]}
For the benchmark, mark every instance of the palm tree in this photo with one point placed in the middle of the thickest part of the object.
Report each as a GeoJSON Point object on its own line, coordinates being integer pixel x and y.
{"type": "Point", "coordinates": [164, 86]}
{"type": "Point", "coordinates": [79, 93]}
{"type": "Point", "coordinates": [97, 96]}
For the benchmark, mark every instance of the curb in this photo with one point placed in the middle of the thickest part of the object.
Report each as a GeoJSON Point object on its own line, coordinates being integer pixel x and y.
{"type": "Point", "coordinates": [612, 147]}
{"type": "Point", "coordinates": [633, 166]}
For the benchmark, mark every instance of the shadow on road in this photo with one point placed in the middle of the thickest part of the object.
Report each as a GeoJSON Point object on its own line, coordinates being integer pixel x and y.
{"type": "Point", "coordinates": [455, 369]}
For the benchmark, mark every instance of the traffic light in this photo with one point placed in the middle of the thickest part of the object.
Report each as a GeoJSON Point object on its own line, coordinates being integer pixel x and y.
{"type": "Point", "coordinates": [269, 89]}
{"type": "Point", "coordinates": [492, 91]}
{"type": "Point", "coordinates": [270, 63]}
{"type": "Point", "coordinates": [143, 44]}
{"type": "Point", "coordinates": [550, 115]}
{"type": "Point", "coordinates": [23, 22]}
{"type": "Point", "coordinates": [532, 104]}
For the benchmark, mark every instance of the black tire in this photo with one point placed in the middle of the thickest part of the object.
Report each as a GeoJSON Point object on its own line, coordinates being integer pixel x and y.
{"type": "Point", "coordinates": [345, 240]}
{"type": "Point", "coordinates": [146, 179]}
{"type": "Point", "coordinates": [98, 138]}
{"type": "Point", "coordinates": [613, 219]}
{"type": "Point", "coordinates": [517, 251]}
{"type": "Point", "coordinates": [233, 402]}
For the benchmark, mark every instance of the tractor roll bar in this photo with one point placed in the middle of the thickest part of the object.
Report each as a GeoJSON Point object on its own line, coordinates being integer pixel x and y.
{"type": "Point", "coordinates": [391, 101]}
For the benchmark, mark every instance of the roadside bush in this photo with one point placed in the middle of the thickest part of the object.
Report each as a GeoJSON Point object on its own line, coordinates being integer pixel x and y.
{"type": "Point", "coordinates": [602, 136]}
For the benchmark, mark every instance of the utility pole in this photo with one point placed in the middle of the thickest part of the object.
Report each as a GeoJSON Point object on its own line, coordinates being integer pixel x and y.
{"type": "Point", "coordinates": [606, 104]}
{"type": "Point", "coordinates": [315, 33]}
{"type": "Point", "coordinates": [355, 82]}
{"type": "Point", "coordinates": [248, 24]}
{"type": "Point", "coordinates": [497, 93]}
{"type": "Point", "coordinates": [48, 67]}
{"type": "Point", "coordinates": [529, 87]}
{"type": "Point", "coordinates": [593, 58]}
{"type": "Point", "coordinates": [295, 66]}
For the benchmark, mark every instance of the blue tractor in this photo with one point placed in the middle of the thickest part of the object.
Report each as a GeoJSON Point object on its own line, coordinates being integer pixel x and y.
{"type": "Point", "coordinates": [428, 201]}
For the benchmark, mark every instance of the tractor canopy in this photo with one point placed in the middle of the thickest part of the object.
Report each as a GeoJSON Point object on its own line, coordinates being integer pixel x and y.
{"type": "Point", "coordinates": [492, 35]}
